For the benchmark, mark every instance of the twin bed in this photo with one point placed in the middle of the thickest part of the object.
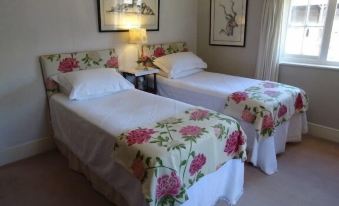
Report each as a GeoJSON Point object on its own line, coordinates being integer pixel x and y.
{"type": "Point", "coordinates": [271, 114]}
{"type": "Point", "coordinates": [141, 149]}
{"type": "Point", "coordinates": [210, 90]}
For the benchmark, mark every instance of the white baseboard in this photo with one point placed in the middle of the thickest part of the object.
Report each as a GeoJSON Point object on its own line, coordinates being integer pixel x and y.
{"type": "Point", "coordinates": [26, 150]}
{"type": "Point", "coordinates": [324, 132]}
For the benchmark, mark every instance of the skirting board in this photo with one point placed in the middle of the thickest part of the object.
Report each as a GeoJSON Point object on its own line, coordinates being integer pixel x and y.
{"type": "Point", "coordinates": [323, 132]}
{"type": "Point", "coordinates": [26, 150]}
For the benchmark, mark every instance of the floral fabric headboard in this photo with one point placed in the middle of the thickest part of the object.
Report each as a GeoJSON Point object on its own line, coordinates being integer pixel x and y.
{"type": "Point", "coordinates": [151, 52]}
{"type": "Point", "coordinates": [67, 62]}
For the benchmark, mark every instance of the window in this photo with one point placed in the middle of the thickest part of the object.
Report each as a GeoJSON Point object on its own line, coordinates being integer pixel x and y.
{"type": "Point", "coordinates": [312, 32]}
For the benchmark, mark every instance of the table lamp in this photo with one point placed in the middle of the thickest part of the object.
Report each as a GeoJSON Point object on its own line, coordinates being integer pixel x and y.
{"type": "Point", "coordinates": [138, 36]}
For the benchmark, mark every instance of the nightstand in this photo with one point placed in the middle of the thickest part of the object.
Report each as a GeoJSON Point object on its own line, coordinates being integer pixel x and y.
{"type": "Point", "coordinates": [141, 82]}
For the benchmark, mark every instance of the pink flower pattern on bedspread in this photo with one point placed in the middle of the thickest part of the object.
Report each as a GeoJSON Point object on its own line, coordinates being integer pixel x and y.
{"type": "Point", "coordinates": [266, 105]}
{"type": "Point", "coordinates": [168, 185]}
{"type": "Point", "coordinates": [139, 136]}
{"type": "Point", "coordinates": [200, 114]}
{"type": "Point", "coordinates": [234, 142]}
{"type": "Point", "coordinates": [197, 163]}
{"type": "Point", "coordinates": [248, 116]}
{"type": "Point", "coordinates": [193, 131]}
{"type": "Point", "coordinates": [282, 111]}
{"type": "Point", "coordinates": [170, 156]}
{"type": "Point", "coordinates": [238, 97]}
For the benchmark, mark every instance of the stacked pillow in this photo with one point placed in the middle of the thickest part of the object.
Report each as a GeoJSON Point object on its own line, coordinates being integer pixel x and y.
{"type": "Point", "coordinates": [179, 65]}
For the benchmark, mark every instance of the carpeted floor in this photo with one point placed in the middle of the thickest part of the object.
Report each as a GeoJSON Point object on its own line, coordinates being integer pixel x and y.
{"type": "Point", "coordinates": [308, 175]}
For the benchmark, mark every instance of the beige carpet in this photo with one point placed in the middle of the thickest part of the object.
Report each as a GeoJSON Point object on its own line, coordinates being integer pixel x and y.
{"type": "Point", "coordinates": [308, 175]}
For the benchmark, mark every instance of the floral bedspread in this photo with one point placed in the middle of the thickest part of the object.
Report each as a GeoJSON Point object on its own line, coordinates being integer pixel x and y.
{"type": "Point", "coordinates": [172, 155]}
{"type": "Point", "coordinates": [266, 105]}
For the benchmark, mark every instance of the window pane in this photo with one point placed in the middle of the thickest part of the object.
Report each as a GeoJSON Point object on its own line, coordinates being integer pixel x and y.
{"type": "Point", "coordinates": [317, 12]}
{"type": "Point", "coordinates": [304, 41]}
{"type": "Point", "coordinates": [312, 41]}
{"type": "Point", "coordinates": [294, 39]}
{"type": "Point", "coordinates": [333, 52]}
{"type": "Point", "coordinates": [306, 27]}
{"type": "Point", "coordinates": [298, 15]}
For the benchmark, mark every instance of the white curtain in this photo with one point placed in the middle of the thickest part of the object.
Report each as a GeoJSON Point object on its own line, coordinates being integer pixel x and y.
{"type": "Point", "coordinates": [270, 36]}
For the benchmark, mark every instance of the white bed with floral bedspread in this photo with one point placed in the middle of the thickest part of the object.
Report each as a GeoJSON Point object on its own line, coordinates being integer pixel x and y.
{"type": "Point", "coordinates": [270, 113]}
{"type": "Point", "coordinates": [141, 149]}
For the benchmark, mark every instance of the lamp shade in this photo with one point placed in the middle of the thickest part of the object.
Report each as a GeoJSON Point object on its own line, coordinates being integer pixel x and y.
{"type": "Point", "coordinates": [137, 36]}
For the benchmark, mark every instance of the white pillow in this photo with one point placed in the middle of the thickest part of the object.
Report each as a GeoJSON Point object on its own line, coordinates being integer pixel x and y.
{"type": "Point", "coordinates": [92, 83]}
{"type": "Point", "coordinates": [177, 63]}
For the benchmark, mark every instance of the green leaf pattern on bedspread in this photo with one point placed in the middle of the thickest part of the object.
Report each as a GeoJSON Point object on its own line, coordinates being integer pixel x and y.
{"type": "Point", "coordinates": [172, 155]}
{"type": "Point", "coordinates": [266, 105]}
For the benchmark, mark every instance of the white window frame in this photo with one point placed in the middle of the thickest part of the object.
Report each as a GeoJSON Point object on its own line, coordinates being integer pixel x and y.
{"type": "Point", "coordinates": [320, 60]}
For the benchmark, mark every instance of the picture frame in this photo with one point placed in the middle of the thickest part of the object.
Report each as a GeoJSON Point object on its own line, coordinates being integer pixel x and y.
{"type": "Point", "coordinates": [121, 15]}
{"type": "Point", "coordinates": [228, 19]}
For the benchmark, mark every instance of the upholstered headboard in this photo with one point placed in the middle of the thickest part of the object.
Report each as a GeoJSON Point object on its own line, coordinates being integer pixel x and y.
{"type": "Point", "coordinates": [54, 64]}
{"type": "Point", "coordinates": [149, 52]}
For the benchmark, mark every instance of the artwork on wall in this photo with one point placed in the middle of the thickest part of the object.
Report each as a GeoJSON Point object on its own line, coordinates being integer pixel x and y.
{"type": "Point", "coordinates": [121, 15]}
{"type": "Point", "coordinates": [228, 22]}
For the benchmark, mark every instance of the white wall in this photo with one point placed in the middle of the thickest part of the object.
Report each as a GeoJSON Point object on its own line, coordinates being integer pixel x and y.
{"type": "Point", "coordinates": [29, 28]}
{"type": "Point", "coordinates": [322, 85]}
{"type": "Point", "coordinates": [231, 60]}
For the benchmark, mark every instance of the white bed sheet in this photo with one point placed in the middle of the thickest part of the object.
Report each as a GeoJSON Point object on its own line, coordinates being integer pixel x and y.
{"type": "Point", "coordinates": [206, 89]}
{"type": "Point", "coordinates": [88, 128]}
{"type": "Point", "coordinates": [210, 90]}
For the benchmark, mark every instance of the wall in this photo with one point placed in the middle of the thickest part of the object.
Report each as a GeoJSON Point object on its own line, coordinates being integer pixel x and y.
{"type": "Point", "coordinates": [322, 85]}
{"type": "Point", "coordinates": [29, 28]}
{"type": "Point", "coordinates": [231, 60]}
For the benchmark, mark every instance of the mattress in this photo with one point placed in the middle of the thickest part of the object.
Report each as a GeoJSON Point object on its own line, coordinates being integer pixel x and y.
{"type": "Point", "coordinates": [87, 129]}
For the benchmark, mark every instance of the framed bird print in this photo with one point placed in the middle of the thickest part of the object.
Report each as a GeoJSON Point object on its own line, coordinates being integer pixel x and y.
{"type": "Point", "coordinates": [121, 15]}
{"type": "Point", "coordinates": [228, 22]}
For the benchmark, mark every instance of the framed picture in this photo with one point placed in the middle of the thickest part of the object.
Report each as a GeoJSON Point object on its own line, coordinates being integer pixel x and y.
{"type": "Point", "coordinates": [120, 15]}
{"type": "Point", "coordinates": [228, 22]}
